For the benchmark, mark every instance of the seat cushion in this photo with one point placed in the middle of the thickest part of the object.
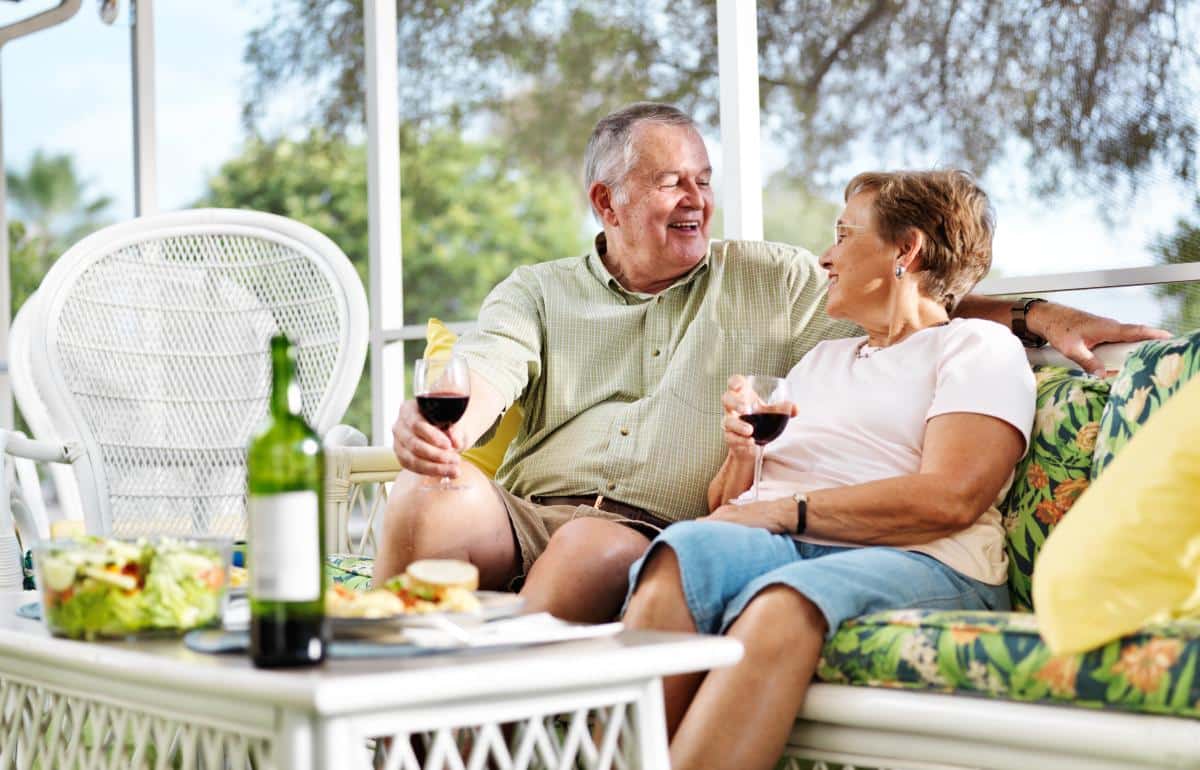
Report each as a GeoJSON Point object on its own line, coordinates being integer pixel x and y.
{"type": "Point", "coordinates": [349, 570]}
{"type": "Point", "coordinates": [486, 455]}
{"type": "Point", "coordinates": [1151, 373]}
{"type": "Point", "coordinates": [1000, 655]}
{"type": "Point", "coordinates": [1054, 471]}
{"type": "Point", "coordinates": [1129, 552]}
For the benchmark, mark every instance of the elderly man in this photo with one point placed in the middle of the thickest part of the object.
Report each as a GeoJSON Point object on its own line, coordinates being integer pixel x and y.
{"type": "Point", "coordinates": [620, 358]}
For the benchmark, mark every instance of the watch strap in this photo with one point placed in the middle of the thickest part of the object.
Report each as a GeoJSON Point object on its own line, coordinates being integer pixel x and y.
{"type": "Point", "coordinates": [801, 500]}
{"type": "Point", "coordinates": [1020, 326]}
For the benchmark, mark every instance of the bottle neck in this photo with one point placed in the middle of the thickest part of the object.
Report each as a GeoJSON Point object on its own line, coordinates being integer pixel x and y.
{"type": "Point", "coordinates": [285, 390]}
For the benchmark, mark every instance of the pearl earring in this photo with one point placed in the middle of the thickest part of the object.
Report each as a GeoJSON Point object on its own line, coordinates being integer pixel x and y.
{"type": "Point", "coordinates": [899, 271]}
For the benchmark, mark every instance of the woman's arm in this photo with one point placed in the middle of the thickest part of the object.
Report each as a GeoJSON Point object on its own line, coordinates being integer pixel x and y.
{"type": "Point", "coordinates": [735, 477]}
{"type": "Point", "coordinates": [967, 458]}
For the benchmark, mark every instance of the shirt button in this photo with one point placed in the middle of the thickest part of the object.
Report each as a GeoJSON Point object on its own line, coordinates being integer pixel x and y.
{"type": "Point", "coordinates": [624, 431]}
{"type": "Point", "coordinates": [611, 486]}
{"type": "Point", "coordinates": [655, 352]}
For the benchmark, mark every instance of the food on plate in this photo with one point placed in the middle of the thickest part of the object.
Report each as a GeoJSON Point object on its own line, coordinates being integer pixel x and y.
{"type": "Point", "coordinates": [429, 585]}
{"type": "Point", "coordinates": [432, 577]}
{"type": "Point", "coordinates": [343, 602]}
{"type": "Point", "coordinates": [95, 586]}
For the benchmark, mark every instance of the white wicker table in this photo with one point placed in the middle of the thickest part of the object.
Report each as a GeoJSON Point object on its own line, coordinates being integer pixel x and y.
{"type": "Point", "coordinates": [594, 703]}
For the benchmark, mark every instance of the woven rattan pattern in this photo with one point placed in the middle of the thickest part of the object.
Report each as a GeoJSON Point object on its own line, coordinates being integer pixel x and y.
{"type": "Point", "coordinates": [163, 347]}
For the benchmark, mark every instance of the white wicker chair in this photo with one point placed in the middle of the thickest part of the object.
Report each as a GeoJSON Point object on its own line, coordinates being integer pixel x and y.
{"type": "Point", "coordinates": [142, 361]}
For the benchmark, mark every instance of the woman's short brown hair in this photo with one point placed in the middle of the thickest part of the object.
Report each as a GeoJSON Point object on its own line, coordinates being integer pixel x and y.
{"type": "Point", "coordinates": [950, 209]}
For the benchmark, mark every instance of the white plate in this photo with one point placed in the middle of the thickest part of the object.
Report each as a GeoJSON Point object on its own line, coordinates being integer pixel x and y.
{"type": "Point", "coordinates": [494, 605]}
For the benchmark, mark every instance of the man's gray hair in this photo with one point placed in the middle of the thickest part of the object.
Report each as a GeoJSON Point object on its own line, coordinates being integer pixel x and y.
{"type": "Point", "coordinates": [610, 154]}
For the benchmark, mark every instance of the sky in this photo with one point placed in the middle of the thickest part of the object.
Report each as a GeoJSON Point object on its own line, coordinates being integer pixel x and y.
{"type": "Point", "coordinates": [67, 89]}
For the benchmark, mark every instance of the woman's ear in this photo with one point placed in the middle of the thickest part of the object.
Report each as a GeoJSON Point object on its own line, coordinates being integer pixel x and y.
{"type": "Point", "coordinates": [911, 245]}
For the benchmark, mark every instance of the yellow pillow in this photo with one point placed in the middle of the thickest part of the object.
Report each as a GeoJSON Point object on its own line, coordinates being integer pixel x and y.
{"type": "Point", "coordinates": [485, 457]}
{"type": "Point", "coordinates": [1128, 553]}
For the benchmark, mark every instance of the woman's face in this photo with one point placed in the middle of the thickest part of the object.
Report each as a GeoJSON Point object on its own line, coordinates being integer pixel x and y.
{"type": "Point", "coordinates": [861, 265]}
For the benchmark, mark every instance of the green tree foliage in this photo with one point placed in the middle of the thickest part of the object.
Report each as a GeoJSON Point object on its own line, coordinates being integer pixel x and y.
{"type": "Point", "coordinates": [1180, 247]}
{"type": "Point", "coordinates": [1092, 90]}
{"type": "Point", "coordinates": [793, 213]}
{"type": "Point", "coordinates": [53, 202]}
{"type": "Point", "coordinates": [466, 219]}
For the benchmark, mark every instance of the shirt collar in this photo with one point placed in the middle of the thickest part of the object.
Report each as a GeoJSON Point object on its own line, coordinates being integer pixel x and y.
{"type": "Point", "coordinates": [600, 271]}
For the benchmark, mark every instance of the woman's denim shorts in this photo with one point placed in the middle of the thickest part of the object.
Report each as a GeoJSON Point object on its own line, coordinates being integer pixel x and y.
{"type": "Point", "coordinates": [726, 565]}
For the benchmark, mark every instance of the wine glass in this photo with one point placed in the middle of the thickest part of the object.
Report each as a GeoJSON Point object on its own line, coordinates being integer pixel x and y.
{"type": "Point", "coordinates": [767, 409]}
{"type": "Point", "coordinates": [442, 386]}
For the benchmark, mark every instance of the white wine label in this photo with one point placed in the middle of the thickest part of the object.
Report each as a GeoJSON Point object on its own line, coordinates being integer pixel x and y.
{"type": "Point", "coordinates": [284, 549]}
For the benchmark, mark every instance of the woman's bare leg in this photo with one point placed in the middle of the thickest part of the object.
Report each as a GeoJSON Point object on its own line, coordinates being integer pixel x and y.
{"type": "Point", "coordinates": [659, 604]}
{"type": "Point", "coordinates": [741, 716]}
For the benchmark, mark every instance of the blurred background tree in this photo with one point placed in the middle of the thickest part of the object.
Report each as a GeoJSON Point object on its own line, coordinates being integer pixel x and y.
{"type": "Point", "coordinates": [50, 208]}
{"type": "Point", "coordinates": [466, 220]}
{"type": "Point", "coordinates": [1178, 247]}
{"type": "Point", "coordinates": [1090, 90]}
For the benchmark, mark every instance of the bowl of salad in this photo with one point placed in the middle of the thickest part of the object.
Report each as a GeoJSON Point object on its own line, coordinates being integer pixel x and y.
{"type": "Point", "coordinates": [99, 587]}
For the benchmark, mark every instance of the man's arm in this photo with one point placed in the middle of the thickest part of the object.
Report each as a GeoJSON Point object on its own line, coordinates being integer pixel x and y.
{"type": "Point", "coordinates": [425, 449]}
{"type": "Point", "coordinates": [1070, 331]}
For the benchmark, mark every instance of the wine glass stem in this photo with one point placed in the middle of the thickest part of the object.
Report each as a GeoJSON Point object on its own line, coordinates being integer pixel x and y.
{"type": "Point", "coordinates": [758, 455]}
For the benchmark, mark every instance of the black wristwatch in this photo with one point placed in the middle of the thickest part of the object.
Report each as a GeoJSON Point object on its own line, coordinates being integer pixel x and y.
{"type": "Point", "coordinates": [1020, 309]}
{"type": "Point", "coordinates": [801, 512]}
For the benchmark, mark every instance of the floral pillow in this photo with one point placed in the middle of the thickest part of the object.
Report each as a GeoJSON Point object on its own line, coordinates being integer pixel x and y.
{"type": "Point", "coordinates": [1151, 373]}
{"type": "Point", "coordinates": [1054, 472]}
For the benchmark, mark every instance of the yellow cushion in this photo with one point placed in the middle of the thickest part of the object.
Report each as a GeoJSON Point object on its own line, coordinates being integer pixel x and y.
{"type": "Point", "coordinates": [485, 457]}
{"type": "Point", "coordinates": [1128, 553]}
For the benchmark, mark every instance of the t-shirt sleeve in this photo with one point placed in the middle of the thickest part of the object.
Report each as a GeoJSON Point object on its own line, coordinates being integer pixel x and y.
{"type": "Point", "coordinates": [505, 348]}
{"type": "Point", "coordinates": [983, 370]}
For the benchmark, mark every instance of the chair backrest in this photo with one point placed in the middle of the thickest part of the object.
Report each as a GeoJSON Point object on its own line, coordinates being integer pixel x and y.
{"type": "Point", "coordinates": [148, 343]}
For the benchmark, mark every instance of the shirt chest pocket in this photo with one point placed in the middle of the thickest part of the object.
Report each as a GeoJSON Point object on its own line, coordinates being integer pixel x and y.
{"type": "Point", "coordinates": [700, 369]}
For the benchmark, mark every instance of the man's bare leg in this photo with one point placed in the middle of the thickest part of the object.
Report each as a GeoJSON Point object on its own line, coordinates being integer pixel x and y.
{"type": "Point", "coordinates": [469, 524]}
{"type": "Point", "coordinates": [741, 715]}
{"type": "Point", "coordinates": [584, 573]}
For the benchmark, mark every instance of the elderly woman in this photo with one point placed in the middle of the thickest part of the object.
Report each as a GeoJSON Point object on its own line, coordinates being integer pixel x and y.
{"type": "Point", "coordinates": [879, 493]}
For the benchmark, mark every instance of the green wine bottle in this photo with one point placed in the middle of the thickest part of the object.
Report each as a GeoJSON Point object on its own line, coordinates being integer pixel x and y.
{"type": "Point", "coordinates": [285, 479]}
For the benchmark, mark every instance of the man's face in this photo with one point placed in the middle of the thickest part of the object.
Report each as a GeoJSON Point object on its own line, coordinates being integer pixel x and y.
{"type": "Point", "coordinates": [662, 225]}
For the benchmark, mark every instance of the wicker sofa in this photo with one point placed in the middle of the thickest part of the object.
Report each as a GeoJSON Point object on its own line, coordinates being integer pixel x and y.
{"type": "Point", "coordinates": [928, 689]}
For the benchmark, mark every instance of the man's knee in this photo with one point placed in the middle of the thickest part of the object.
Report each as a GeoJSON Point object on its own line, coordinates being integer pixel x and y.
{"type": "Point", "coordinates": [597, 544]}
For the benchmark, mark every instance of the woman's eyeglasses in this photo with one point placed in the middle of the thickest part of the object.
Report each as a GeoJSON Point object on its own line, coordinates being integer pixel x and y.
{"type": "Point", "coordinates": [841, 230]}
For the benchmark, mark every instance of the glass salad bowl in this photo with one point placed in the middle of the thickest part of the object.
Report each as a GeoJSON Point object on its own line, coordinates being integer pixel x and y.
{"type": "Point", "coordinates": [98, 587]}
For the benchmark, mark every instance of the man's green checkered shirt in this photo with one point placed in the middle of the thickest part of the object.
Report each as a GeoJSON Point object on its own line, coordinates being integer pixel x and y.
{"type": "Point", "coordinates": [622, 391]}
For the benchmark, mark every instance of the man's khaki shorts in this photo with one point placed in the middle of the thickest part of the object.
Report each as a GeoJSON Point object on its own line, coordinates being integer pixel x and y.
{"type": "Point", "coordinates": [533, 524]}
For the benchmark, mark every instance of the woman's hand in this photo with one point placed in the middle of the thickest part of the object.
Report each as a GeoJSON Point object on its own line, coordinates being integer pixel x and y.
{"type": "Point", "coordinates": [776, 516]}
{"type": "Point", "coordinates": [738, 433]}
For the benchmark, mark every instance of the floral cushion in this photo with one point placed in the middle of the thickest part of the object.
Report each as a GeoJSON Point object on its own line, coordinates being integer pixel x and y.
{"type": "Point", "coordinates": [349, 570]}
{"type": "Point", "coordinates": [1149, 376]}
{"type": "Point", "coordinates": [1001, 655]}
{"type": "Point", "coordinates": [1054, 472]}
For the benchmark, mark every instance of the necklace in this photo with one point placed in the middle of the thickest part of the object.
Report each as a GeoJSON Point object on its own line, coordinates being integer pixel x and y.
{"type": "Point", "coordinates": [866, 350]}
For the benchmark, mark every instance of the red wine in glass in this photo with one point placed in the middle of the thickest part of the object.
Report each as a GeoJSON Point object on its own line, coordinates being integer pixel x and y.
{"type": "Point", "coordinates": [767, 426]}
{"type": "Point", "coordinates": [767, 411]}
{"type": "Point", "coordinates": [444, 409]}
{"type": "Point", "coordinates": [442, 386]}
